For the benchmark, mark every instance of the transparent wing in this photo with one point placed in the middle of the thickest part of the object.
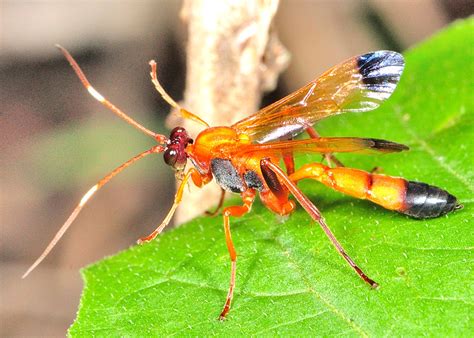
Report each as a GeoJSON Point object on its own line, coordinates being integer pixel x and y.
{"type": "Point", "coordinates": [359, 84]}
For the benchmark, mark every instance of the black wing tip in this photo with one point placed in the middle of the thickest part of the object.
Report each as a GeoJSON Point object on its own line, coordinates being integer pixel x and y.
{"type": "Point", "coordinates": [380, 58]}
{"type": "Point", "coordinates": [387, 146]}
{"type": "Point", "coordinates": [380, 68]}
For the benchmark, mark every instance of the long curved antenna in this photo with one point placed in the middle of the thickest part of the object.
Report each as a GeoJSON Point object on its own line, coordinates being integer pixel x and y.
{"type": "Point", "coordinates": [96, 95]}
{"type": "Point", "coordinates": [83, 201]}
{"type": "Point", "coordinates": [184, 113]}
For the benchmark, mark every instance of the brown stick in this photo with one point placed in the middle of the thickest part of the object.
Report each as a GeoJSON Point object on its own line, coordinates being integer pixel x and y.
{"type": "Point", "coordinates": [233, 55]}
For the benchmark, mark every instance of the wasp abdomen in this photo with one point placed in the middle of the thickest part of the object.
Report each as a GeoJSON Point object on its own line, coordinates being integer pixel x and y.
{"type": "Point", "coordinates": [427, 201]}
{"type": "Point", "coordinates": [415, 199]}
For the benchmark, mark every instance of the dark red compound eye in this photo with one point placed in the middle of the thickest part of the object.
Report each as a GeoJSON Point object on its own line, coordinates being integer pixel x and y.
{"type": "Point", "coordinates": [175, 156]}
{"type": "Point", "coordinates": [170, 156]}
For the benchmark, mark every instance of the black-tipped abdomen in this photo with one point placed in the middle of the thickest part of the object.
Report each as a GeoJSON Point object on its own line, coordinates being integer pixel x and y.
{"type": "Point", "coordinates": [426, 201]}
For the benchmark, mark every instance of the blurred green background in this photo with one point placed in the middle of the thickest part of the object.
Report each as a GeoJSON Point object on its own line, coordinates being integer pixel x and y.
{"type": "Point", "coordinates": [57, 141]}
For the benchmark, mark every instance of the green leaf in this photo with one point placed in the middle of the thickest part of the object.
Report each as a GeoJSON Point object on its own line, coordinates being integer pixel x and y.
{"type": "Point", "coordinates": [290, 280]}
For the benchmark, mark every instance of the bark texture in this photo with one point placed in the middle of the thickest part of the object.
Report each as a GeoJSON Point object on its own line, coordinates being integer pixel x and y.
{"type": "Point", "coordinates": [233, 56]}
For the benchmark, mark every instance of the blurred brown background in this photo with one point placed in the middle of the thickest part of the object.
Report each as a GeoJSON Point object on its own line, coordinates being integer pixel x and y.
{"type": "Point", "coordinates": [56, 141]}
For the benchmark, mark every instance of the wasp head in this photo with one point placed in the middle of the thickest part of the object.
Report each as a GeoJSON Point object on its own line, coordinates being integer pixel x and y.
{"type": "Point", "coordinates": [175, 152]}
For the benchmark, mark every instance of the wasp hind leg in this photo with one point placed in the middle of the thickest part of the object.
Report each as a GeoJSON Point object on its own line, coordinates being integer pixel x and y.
{"type": "Point", "coordinates": [315, 215]}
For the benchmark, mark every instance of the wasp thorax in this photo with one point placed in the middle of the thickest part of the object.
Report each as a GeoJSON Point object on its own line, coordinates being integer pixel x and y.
{"type": "Point", "coordinates": [175, 153]}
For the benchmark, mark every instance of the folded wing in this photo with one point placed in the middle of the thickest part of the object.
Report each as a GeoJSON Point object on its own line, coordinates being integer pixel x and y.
{"type": "Point", "coordinates": [321, 145]}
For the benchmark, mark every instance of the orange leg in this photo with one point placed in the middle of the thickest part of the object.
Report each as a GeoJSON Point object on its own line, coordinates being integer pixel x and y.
{"type": "Point", "coordinates": [197, 180]}
{"type": "Point", "coordinates": [219, 205]}
{"type": "Point", "coordinates": [289, 161]}
{"type": "Point", "coordinates": [236, 211]}
{"type": "Point", "coordinates": [84, 199]}
{"type": "Point", "coordinates": [316, 215]}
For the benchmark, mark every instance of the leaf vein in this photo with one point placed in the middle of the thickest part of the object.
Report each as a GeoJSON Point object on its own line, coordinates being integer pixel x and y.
{"type": "Point", "coordinates": [424, 145]}
{"type": "Point", "coordinates": [301, 319]}
{"type": "Point", "coordinates": [318, 295]}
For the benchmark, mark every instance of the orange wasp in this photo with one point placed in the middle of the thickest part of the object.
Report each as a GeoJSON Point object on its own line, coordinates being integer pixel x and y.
{"type": "Point", "coordinates": [244, 158]}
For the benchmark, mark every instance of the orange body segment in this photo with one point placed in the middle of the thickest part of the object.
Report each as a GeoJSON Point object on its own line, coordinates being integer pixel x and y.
{"type": "Point", "coordinates": [386, 191]}
{"type": "Point", "coordinates": [209, 141]}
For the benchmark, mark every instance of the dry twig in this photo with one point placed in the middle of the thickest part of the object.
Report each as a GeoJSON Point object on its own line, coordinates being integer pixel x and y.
{"type": "Point", "coordinates": [233, 56]}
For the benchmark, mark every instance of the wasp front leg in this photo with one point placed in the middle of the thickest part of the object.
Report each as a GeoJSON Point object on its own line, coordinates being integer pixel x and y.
{"type": "Point", "coordinates": [198, 181]}
{"type": "Point", "coordinates": [248, 197]}
{"type": "Point", "coordinates": [219, 205]}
